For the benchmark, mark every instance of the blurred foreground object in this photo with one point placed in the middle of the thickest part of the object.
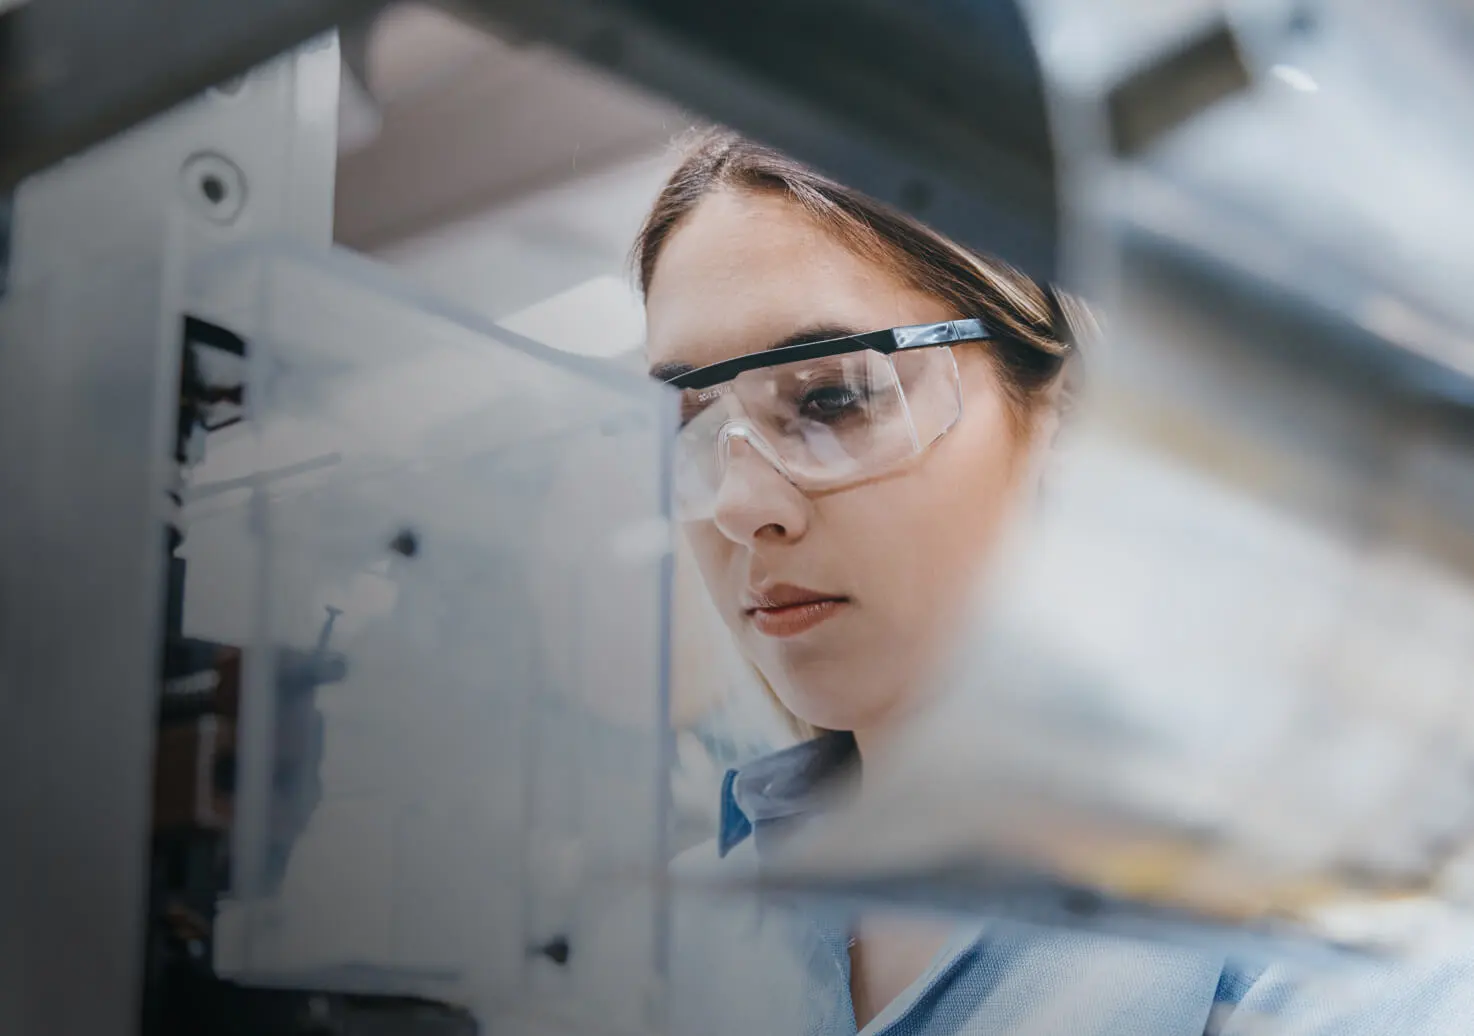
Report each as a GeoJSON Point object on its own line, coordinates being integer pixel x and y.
{"type": "Point", "coordinates": [1220, 688]}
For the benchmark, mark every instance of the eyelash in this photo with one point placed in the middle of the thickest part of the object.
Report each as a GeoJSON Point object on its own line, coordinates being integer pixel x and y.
{"type": "Point", "coordinates": [852, 397]}
{"type": "Point", "coordinates": [810, 405]}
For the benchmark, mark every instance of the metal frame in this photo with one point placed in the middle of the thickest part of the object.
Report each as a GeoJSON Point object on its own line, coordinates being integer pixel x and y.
{"type": "Point", "coordinates": [934, 106]}
{"type": "Point", "coordinates": [77, 72]}
{"type": "Point", "coordinates": [82, 550]}
{"type": "Point", "coordinates": [89, 398]}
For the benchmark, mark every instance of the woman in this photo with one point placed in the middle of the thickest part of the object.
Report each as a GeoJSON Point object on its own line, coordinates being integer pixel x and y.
{"type": "Point", "coordinates": [863, 404]}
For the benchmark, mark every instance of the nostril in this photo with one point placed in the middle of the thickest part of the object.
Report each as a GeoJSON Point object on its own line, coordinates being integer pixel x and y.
{"type": "Point", "coordinates": [772, 531]}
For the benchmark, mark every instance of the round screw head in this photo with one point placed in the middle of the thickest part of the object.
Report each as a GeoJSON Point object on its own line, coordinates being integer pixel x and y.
{"type": "Point", "coordinates": [405, 543]}
{"type": "Point", "coordinates": [214, 187]}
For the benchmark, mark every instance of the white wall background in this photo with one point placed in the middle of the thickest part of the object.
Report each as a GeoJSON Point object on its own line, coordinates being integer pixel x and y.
{"type": "Point", "coordinates": [568, 243]}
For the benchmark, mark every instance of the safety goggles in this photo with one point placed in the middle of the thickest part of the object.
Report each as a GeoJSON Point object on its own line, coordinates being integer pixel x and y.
{"type": "Point", "coordinates": [824, 414]}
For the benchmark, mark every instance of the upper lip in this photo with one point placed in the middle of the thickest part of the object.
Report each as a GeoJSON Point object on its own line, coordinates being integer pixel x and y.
{"type": "Point", "coordinates": [783, 595]}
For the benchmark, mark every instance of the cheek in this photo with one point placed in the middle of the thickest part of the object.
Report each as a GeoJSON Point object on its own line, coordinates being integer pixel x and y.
{"type": "Point", "coordinates": [983, 495]}
{"type": "Point", "coordinates": [933, 530]}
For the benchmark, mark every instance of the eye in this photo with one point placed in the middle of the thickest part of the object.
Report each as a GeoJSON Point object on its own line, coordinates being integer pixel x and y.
{"type": "Point", "coordinates": [828, 402]}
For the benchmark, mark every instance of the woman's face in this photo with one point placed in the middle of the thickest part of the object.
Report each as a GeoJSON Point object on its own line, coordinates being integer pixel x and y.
{"type": "Point", "coordinates": [893, 560]}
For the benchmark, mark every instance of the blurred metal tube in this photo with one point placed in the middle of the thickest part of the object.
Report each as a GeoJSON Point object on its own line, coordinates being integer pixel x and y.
{"type": "Point", "coordinates": [935, 106]}
{"type": "Point", "coordinates": [73, 73]}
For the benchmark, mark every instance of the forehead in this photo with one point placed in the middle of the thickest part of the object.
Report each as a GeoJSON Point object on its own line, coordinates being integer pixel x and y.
{"type": "Point", "coordinates": [747, 269]}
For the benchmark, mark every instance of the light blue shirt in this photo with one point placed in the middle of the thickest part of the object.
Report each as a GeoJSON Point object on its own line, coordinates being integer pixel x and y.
{"type": "Point", "coordinates": [746, 968]}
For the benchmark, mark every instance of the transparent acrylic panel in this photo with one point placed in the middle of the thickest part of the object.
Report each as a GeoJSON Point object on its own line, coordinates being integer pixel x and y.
{"type": "Point", "coordinates": [447, 550]}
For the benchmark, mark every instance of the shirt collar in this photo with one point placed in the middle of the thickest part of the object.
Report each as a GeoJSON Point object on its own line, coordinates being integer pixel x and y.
{"type": "Point", "coordinates": [780, 788]}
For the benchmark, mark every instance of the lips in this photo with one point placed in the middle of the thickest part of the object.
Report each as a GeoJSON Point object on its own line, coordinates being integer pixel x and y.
{"type": "Point", "coordinates": [786, 611]}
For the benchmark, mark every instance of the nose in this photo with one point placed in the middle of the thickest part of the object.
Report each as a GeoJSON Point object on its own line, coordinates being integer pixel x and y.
{"type": "Point", "coordinates": [755, 503]}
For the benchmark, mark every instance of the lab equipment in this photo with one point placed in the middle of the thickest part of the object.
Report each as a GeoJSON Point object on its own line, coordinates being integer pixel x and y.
{"type": "Point", "coordinates": [384, 528]}
{"type": "Point", "coordinates": [397, 686]}
{"type": "Point", "coordinates": [493, 762]}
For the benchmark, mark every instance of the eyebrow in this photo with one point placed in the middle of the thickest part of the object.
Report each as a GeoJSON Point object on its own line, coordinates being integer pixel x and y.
{"type": "Point", "coordinates": [667, 371]}
{"type": "Point", "coordinates": [803, 336]}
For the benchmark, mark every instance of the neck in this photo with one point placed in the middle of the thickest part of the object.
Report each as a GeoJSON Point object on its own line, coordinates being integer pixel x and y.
{"type": "Point", "coordinates": [875, 738]}
{"type": "Point", "coordinates": [871, 740]}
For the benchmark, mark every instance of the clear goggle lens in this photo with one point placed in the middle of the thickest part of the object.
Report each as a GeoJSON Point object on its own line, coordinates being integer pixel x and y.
{"type": "Point", "coordinates": [822, 423]}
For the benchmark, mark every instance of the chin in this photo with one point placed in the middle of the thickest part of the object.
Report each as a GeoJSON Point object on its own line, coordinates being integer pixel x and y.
{"type": "Point", "coordinates": [836, 705]}
{"type": "Point", "coordinates": [849, 689]}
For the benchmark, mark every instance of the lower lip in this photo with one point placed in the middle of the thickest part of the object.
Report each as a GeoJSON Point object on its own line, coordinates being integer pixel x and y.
{"type": "Point", "coordinates": [795, 619]}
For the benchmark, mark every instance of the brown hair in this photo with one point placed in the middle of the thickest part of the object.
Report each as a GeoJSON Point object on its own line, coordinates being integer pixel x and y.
{"type": "Point", "coordinates": [1035, 326]}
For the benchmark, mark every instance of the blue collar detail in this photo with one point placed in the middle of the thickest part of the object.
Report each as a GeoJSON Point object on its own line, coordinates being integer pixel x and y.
{"type": "Point", "coordinates": [779, 789]}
